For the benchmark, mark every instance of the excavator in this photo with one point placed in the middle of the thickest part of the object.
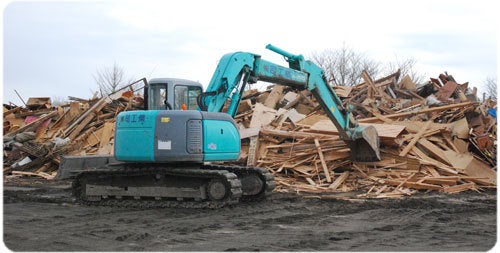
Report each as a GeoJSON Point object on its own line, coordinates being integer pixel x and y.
{"type": "Point", "coordinates": [164, 155]}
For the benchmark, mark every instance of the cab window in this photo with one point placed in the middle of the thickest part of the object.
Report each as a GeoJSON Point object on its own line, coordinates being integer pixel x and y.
{"type": "Point", "coordinates": [186, 95]}
{"type": "Point", "coordinates": [157, 96]}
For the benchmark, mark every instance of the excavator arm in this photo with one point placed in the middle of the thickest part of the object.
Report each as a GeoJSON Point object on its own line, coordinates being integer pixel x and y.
{"type": "Point", "coordinates": [236, 70]}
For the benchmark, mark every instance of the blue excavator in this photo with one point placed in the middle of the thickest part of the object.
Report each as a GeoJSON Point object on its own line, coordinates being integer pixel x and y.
{"type": "Point", "coordinates": [163, 155]}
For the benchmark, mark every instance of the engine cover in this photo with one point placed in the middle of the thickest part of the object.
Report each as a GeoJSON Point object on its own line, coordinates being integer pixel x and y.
{"type": "Point", "coordinates": [175, 136]}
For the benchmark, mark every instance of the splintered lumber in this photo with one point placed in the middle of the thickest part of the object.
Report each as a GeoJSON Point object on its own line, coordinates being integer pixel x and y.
{"type": "Point", "coordinates": [274, 97]}
{"type": "Point", "coordinates": [262, 115]}
{"type": "Point", "coordinates": [437, 152]}
{"type": "Point", "coordinates": [295, 134]}
{"type": "Point", "coordinates": [441, 180]}
{"type": "Point", "coordinates": [86, 117]}
{"type": "Point", "coordinates": [385, 131]}
{"type": "Point", "coordinates": [305, 154]}
{"type": "Point", "coordinates": [339, 180]}
{"type": "Point", "coordinates": [322, 159]}
{"type": "Point", "coordinates": [107, 134]}
{"type": "Point", "coordinates": [415, 139]}
{"type": "Point", "coordinates": [38, 174]}
{"type": "Point", "coordinates": [422, 111]}
{"type": "Point", "coordinates": [459, 188]}
{"type": "Point", "coordinates": [33, 124]}
{"type": "Point", "coordinates": [415, 185]}
{"type": "Point", "coordinates": [89, 123]}
{"type": "Point", "coordinates": [472, 167]}
{"type": "Point", "coordinates": [371, 86]}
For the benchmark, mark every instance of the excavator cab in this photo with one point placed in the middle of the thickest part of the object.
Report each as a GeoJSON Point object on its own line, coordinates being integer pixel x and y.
{"type": "Point", "coordinates": [171, 94]}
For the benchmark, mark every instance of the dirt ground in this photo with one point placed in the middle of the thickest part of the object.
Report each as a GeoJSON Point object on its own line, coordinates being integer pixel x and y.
{"type": "Point", "coordinates": [42, 216]}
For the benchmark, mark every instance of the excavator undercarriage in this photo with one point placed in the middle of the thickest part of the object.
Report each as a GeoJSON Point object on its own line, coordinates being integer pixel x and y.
{"type": "Point", "coordinates": [168, 185]}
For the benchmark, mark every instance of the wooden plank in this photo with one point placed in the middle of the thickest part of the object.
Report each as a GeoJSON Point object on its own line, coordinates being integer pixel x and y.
{"type": "Point", "coordinates": [81, 126]}
{"type": "Point", "coordinates": [312, 119]}
{"type": "Point", "coordinates": [262, 115]}
{"type": "Point", "coordinates": [252, 151]}
{"type": "Point", "coordinates": [424, 159]}
{"type": "Point", "coordinates": [275, 96]}
{"type": "Point", "coordinates": [290, 97]}
{"type": "Point", "coordinates": [459, 188]}
{"type": "Point", "coordinates": [435, 150]}
{"type": "Point", "coordinates": [384, 130]}
{"type": "Point", "coordinates": [372, 90]}
{"type": "Point", "coordinates": [433, 171]}
{"type": "Point", "coordinates": [310, 181]}
{"type": "Point", "coordinates": [295, 134]}
{"type": "Point", "coordinates": [415, 126]}
{"type": "Point", "coordinates": [107, 134]}
{"type": "Point", "coordinates": [381, 117]}
{"type": "Point", "coordinates": [39, 174]}
{"type": "Point", "coordinates": [339, 180]}
{"type": "Point", "coordinates": [414, 141]}
{"type": "Point", "coordinates": [422, 111]}
{"type": "Point", "coordinates": [92, 110]}
{"type": "Point", "coordinates": [405, 181]}
{"type": "Point", "coordinates": [442, 180]}
{"type": "Point", "coordinates": [249, 132]}
{"type": "Point", "coordinates": [293, 115]}
{"type": "Point", "coordinates": [414, 185]}
{"type": "Point", "coordinates": [322, 159]}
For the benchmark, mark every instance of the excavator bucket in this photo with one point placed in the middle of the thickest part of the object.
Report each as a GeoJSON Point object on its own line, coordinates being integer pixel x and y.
{"type": "Point", "coordinates": [364, 144]}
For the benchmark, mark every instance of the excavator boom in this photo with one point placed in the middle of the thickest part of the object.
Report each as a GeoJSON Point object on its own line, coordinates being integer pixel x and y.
{"type": "Point", "coordinates": [236, 70]}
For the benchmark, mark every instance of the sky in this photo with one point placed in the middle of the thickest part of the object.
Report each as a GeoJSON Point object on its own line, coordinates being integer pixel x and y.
{"type": "Point", "coordinates": [54, 48]}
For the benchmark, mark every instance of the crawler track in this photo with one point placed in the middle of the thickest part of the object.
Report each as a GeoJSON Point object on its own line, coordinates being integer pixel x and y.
{"type": "Point", "coordinates": [162, 185]}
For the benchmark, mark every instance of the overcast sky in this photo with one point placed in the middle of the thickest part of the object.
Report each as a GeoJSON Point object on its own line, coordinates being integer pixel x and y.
{"type": "Point", "coordinates": [53, 49]}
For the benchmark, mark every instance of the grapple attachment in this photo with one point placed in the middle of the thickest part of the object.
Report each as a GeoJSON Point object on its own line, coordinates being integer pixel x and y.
{"type": "Point", "coordinates": [364, 144]}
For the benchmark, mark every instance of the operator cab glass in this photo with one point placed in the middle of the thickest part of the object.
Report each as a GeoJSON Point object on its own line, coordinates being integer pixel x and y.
{"type": "Point", "coordinates": [173, 94]}
{"type": "Point", "coordinates": [186, 95]}
{"type": "Point", "coordinates": [157, 96]}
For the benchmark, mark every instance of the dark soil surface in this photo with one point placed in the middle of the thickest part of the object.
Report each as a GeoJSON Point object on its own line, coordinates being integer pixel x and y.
{"type": "Point", "coordinates": [42, 216]}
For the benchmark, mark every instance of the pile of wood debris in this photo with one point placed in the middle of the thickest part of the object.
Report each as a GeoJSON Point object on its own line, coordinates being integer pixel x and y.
{"type": "Point", "coordinates": [37, 135]}
{"type": "Point", "coordinates": [436, 136]}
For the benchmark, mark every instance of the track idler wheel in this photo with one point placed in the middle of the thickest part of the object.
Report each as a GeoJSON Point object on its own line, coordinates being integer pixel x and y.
{"type": "Point", "coordinates": [217, 190]}
{"type": "Point", "coordinates": [251, 184]}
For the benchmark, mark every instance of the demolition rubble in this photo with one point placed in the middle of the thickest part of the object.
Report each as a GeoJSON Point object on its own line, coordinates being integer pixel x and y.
{"type": "Point", "coordinates": [434, 137]}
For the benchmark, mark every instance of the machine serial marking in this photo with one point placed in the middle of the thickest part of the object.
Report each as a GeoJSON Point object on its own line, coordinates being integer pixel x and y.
{"type": "Point", "coordinates": [165, 145]}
